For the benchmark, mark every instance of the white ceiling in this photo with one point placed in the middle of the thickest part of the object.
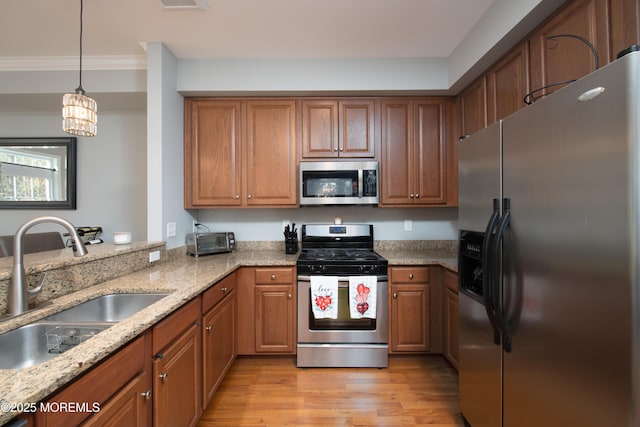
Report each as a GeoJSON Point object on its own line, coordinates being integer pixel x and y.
{"type": "Point", "coordinates": [239, 28]}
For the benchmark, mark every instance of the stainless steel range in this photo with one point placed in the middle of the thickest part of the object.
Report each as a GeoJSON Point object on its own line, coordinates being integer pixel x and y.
{"type": "Point", "coordinates": [353, 334]}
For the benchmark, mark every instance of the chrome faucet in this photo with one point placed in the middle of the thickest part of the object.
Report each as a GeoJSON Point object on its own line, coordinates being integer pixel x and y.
{"type": "Point", "coordinates": [17, 302]}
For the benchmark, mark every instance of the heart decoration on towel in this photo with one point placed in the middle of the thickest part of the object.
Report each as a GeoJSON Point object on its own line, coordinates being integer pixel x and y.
{"type": "Point", "coordinates": [323, 302]}
{"type": "Point", "coordinates": [361, 298]}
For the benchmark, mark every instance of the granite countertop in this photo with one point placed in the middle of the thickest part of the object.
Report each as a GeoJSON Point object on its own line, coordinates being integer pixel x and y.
{"type": "Point", "coordinates": [183, 278]}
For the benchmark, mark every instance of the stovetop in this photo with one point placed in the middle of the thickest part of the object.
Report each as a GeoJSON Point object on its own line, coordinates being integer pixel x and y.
{"type": "Point", "coordinates": [338, 255]}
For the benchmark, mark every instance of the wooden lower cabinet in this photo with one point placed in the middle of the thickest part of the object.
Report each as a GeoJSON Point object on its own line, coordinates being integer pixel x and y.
{"type": "Point", "coordinates": [415, 309]}
{"type": "Point", "coordinates": [116, 386]}
{"type": "Point", "coordinates": [451, 333]}
{"type": "Point", "coordinates": [218, 336]}
{"type": "Point", "coordinates": [266, 319]}
{"type": "Point", "coordinates": [177, 398]}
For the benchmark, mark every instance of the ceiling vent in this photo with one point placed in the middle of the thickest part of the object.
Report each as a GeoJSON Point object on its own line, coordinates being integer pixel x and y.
{"type": "Point", "coordinates": [185, 4]}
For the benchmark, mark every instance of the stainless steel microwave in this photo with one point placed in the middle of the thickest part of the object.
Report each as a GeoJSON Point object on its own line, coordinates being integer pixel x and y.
{"type": "Point", "coordinates": [339, 183]}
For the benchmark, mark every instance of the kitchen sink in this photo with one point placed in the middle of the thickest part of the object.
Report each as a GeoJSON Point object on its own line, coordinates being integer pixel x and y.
{"type": "Point", "coordinates": [107, 308]}
{"type": "Point", "coordinates": [41, 341]}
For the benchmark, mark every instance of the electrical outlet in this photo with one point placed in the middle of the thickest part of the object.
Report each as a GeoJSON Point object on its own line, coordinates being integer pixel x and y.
{"type": "Point", "coordinates": [154, 256]}
{"type": "Point", "coordinates": [171, 229]}
{"type": "Point", "coordinates": [408, 225]}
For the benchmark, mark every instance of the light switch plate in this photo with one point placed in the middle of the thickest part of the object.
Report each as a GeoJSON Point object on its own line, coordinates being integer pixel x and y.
{"type": "Point", "coordinates": [171, 229]}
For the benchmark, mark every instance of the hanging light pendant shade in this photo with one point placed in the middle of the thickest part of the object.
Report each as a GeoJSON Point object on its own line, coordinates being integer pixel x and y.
{"type": "Point", "coordinates": [79, 112]}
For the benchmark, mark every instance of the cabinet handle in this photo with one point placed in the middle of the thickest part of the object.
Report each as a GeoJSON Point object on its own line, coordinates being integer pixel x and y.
{"type": "Point", "coordinates": [410, 276]}
{"type": "Point", "coordinates": [164, 376]}
{"type": "Point", "coordinates": [208, 328]}
{"type": "Point", "coordinates": [273, 277]}
{"type": "Point", "coordinates": [395, 295]}
{"type": "Point", "coordinates": [196, 323]}
{"type": "Point", "coordinates": [223, 289]}
{"type": "Point", "coordinates": [146, 394]}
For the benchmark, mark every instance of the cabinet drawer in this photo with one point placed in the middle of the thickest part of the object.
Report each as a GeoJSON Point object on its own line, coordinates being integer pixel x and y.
{"type": "Point", "coordinates": [451, 281]}
{"type": "Point", "coordinates": [265, 276]}
{"type": "Point", "coordinates": [214, 294]}
{"type": "Point", "coordinates": [168, 329]}
{"type": "Point", "coordinates": [410, 274]}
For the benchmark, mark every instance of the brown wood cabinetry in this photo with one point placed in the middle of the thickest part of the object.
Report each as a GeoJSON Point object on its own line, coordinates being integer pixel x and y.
{"type": "Point", "coordinates": [473, 107]}
{"type": "Point", "coordinates": [338, 128]}
{"type": "Point", "coordinates": [414, 151]}
{"type": "Point", "coordinates": [508, 84]}
{"type": "Point", "coordinates": [218, 335]}
{"type": "Point", "coordinates": [117, 386]}
{"type": "Point", "coordinates": [177, 395]}
{"type": "Point", "coordinates": [240, 153]}
{"type": "Point", "coordinates": [266, 312]}
{"type": "Point", "coordinates": [451, 341]}
{"type": "Point", "coordinates": [414, 311]}
{"type": "Point", "coordinates": [561, 59]}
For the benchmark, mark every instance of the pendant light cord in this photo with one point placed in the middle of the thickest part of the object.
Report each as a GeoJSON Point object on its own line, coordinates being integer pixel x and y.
{"type": "Point", "coordinates": [80, 90]}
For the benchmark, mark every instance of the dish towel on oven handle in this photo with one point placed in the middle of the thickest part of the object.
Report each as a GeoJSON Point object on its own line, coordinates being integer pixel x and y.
{"type": "Point", "coordinates": [324, 297]}
{"type": "Point", "coordinates": [362, 296]}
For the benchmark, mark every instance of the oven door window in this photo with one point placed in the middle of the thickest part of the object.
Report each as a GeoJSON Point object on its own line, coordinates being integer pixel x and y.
{"type": "Point", "coordinates": [344, 322]}
{"type": "Point", "coordinates": [330, 183]}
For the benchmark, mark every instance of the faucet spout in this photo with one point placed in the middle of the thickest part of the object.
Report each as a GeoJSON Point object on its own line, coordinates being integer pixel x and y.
{"type": "Point", "coordinates": [17, 302]}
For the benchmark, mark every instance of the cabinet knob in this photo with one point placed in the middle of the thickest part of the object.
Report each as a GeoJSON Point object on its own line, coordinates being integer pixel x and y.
{"type": "Point", "coordinates": [223, 289]}
{"type": "Point", "coordinates": [273, 277]}
{"type": "Point", "coordinates": [146, 394]}
{"type": "Point", "coordinates": [208, 328]}
{"type": "Point", "coordinates": [289, 296]}
{"type": "Point", "coordinates": [196, 323]}
{"type": "Point", "coordinates": [410, 276]}
{"type": "Point", "coordinates": [417, 196]}
{"type": "Point", "coordinates": [249, 196]}
{"type": "Point", "coordinates": [237, 196]}
{"type": "Point", "coordinates": [395, 295]}
{"type": "Point", "coordinates": [164, 376]}
{"type": "Point", "coordinates": [411, 195]}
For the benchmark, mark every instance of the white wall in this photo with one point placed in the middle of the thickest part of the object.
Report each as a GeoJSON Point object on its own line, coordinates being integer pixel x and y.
{"type": "Point", "coordinates": [111, 179]}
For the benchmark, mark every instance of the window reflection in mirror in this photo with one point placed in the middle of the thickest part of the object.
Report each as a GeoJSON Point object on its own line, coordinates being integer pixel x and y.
{"type": "Point", "coordinates": [38, 173]}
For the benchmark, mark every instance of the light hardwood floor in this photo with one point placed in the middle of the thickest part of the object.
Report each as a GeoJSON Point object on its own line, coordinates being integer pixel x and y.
{"type": "Point", "coordinates": [271, 391]}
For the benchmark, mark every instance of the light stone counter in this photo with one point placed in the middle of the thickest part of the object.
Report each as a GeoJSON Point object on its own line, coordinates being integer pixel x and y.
{"type": "Point", "coordinates": [184, 277]}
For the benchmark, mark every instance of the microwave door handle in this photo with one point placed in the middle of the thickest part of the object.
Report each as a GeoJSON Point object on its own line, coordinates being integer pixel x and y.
{"type": "Point", "coordinates": [360, 183]}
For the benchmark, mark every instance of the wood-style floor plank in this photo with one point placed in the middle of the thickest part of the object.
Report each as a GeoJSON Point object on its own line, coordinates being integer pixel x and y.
{"type": "Point", "coordinates": [272, 391]}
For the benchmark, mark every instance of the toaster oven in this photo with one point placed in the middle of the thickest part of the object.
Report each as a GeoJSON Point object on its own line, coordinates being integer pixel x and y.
{"type": "Point", "coordinates": [210, 243]}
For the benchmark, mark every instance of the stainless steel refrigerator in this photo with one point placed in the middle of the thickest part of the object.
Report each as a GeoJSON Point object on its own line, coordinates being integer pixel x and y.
{"type": "Point", "coordinates": [549, 219]}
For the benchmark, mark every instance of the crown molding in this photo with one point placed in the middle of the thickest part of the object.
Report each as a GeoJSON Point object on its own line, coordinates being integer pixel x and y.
{"type": "Point", "coordinates": [65, 63]}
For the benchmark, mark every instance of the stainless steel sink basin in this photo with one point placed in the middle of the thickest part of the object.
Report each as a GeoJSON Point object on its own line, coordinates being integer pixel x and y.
{"type": "Point", "coordinates": [41, 341]}
{"type": "Point", "coordinates": [107, 308]}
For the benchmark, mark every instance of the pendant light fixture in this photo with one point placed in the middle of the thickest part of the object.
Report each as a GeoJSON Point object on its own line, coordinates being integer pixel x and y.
{"type": "Point", "coordinates": [79, 112]}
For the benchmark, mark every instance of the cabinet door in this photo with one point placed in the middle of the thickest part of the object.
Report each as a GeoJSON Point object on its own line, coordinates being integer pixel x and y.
{"type": "Point", "coordinates": [212, 153]}
{"type": "Point", "coordinates": [357, 138]}
{"type": "Point", "coordinates": [473, 107]}
{"type": "Point", "coordinates": [275, 318]}
{"type": "Point", "coordinates": [429, 152]}
{"type": "Point", "coordinates": [176, 382]}
{"type": "Point", "coordinates": [271, 153]}
{"type": "Point", "coordinates": [218, 345]}
{"type": "Point", "coordinates": [410, 317]}
{"type": "Point", "coordinates": [508, 84]}
{"type": "Point", "coordinates": [397, 165]}
{"type": "Point", "coordinates": [561, 59]}
{"type": "Point", "coordinates": [128, 408]}
{"type": "Point", "coordinates": [319, 128]}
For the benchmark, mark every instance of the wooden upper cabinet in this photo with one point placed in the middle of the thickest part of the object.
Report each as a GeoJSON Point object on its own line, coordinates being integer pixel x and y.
{"type": "Point", "coordinates": [271, 153]}
{"type": "Point", "coordinates": [338, 128]}
{"type": "Point", "coordinates": [508, 84]}
{"type": "Point", "coordinates": [625, 19]}
{"type": "Point", "coordinates": [554, 61]}
{"type": "Point", "coordinates": [413, 151]}
{"type": "Point", "coordinates": [213, 167]}
{"type": "Point", "coordinates": [473, 107]}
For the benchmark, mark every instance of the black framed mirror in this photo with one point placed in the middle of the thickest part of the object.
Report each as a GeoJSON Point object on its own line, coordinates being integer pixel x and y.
{"type": "Point", "coordinates": [38, 173]}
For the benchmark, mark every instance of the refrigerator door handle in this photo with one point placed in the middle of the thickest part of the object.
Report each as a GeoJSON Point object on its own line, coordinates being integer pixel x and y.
{"type": "Point", "coordinates": [487, 273]}
{"type": "Point", "coordinates": [503, 324]}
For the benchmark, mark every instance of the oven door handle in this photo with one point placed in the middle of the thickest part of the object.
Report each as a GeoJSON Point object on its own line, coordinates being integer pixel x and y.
{"type": "Point", "coordinates": [342, 278]}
